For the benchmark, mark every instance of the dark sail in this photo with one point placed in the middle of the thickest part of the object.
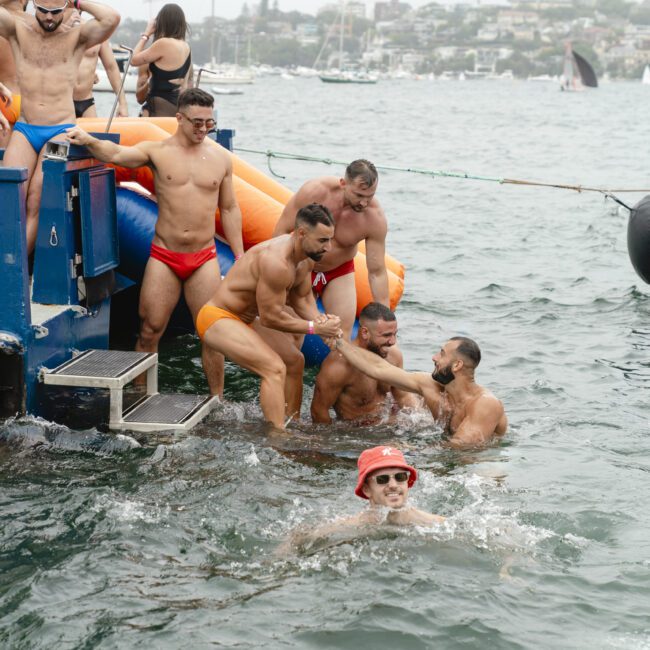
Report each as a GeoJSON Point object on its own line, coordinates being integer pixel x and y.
{"type": "Point", "coordinates": [587, 73]}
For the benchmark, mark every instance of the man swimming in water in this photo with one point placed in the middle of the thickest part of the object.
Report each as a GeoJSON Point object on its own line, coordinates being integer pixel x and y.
{"type": "Point", "coordinates": [358, 217]}
{"type": "Point", "coordinates": [353, 394]}
{"type": "Point", "coordinates": [10, 97]}
{"type": "Point", "coordinates": [192, 177]}
{"type": "Point", "coordinates": [470, 413]}
{"type": "Point", "coordinates": [270, 278]}
{"type": "Point", "coordinates": [47, 55]}
{"type": "Point", "coordinates": [384, 479]}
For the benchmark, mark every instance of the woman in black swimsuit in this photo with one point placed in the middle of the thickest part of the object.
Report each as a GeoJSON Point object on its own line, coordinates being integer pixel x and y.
{"type": "Point", "coordinates": [169, 61]}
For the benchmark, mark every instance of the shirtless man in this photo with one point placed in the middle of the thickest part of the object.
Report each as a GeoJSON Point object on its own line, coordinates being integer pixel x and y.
{"type": "Point", "coordinates": [84, 102]}
{"type": "Point", "coordinates": [353, 394]}
{"type": "Point", "coordinates": [470, 413]}
{"type": "Point", "coordinates": [358, 216]}
{"type": "Point", "coordinates": [9, 101]}
{"type": "Point", "coordinates": [385, 479]}
{"type": "Point", "coordinates": [270, 277]}
{"type": "Point", "coordinates": [47, 55]}
{"type": "Point", "coordinates": [191, 178]}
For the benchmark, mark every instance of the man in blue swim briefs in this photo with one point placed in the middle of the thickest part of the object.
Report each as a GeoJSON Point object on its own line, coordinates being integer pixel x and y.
{"type": "Point", "coordinates": [358, 217]}
{"type": "Point", "coordinates": [47, 53]}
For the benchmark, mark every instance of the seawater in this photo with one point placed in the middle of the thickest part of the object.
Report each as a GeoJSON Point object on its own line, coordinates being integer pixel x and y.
{"type": "Point", "coordinates": [170, 541]}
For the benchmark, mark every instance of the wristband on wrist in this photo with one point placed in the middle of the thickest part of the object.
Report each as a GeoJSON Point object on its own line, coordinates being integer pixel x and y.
{"type": "Point", "coordinates": [144, 37]}
{"type": "Point", "coordinates": [310, 328]}
{"type": "Point", "coordinates": [239, 256]}
{"type": "Point", "coordinates": [77, 5]}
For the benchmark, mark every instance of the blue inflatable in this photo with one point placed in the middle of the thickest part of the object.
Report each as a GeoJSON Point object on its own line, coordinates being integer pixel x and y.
{"type": "Point", "coordinates": [137, 216]}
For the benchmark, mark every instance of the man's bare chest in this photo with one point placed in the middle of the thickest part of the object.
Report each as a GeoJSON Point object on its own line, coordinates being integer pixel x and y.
{"type": "Point", "coordinates": [182, 171]}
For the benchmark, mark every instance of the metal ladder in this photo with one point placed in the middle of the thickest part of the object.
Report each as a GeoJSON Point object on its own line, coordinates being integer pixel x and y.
{"type": "Point", "coordinates": [114, 369]}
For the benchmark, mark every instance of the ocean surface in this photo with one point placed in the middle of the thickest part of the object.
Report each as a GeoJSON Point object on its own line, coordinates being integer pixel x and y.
{"type": "Point", "coordinates": [172, 541]}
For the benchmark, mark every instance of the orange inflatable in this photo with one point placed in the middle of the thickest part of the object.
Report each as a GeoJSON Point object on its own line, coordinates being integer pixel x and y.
{"type": "Point", "coordinates": [261, 199]}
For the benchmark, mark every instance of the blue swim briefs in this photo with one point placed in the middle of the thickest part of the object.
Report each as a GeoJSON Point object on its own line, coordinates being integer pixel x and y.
{"type": "Point", "coordinates": [38, 135]}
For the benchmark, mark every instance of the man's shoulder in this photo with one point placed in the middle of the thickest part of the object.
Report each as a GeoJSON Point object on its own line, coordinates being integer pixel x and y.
{"type": "Point", "coordinates": [318, 189]}
{"type": "Point", "coordinates": [336, 365]}
{"type": "Point", "coordinates": [486, 401]}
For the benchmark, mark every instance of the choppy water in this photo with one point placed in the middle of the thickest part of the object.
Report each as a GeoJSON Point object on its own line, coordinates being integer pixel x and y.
{"type": "Point", "coordinates": [170, 542]}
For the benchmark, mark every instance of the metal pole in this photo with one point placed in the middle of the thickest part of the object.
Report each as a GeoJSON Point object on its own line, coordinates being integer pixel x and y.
{"type": "Point", "coordinates": [117, 97]}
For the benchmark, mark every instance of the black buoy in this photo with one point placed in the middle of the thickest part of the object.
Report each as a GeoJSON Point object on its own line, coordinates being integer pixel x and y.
{"type": "Point", "coordinates": [638, 238]}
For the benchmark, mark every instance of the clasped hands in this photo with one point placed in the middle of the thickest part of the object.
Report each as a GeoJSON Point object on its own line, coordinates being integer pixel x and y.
{"type": "Point", "coordinates": [328, 327]}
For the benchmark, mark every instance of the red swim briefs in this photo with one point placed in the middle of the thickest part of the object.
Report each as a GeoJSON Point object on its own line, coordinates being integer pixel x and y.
{"type": "Point", "coordinates": [320, 279]}
{"type": "Point", "coordinates": [183, 264]}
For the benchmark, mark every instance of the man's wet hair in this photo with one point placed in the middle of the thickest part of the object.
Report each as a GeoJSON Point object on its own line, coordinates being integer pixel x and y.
{"type": "Point", "coordinates": [375, 311]}
{"type": "Point", "coordinates": [195, 97]}
{"type": "Point", "coordinates": [313, 214]}
{"type": "Point", "coordinates": [171, 23]}
{"type": "Point", "coordinates": [362, 169]}
{"type": "Point", "coordinates": [468, 349]}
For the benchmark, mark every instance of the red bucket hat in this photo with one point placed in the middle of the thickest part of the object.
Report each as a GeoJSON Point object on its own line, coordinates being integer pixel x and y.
{"type": "Point", "coordinates": [377, 458]}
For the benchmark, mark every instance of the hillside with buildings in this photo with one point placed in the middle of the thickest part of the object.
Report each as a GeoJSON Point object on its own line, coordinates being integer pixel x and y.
{"type": "Point", "coordinates": [526, 38]}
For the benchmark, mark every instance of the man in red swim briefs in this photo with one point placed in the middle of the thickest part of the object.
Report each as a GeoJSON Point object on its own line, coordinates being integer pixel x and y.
{"type": "Point", "coordinates": [191, 178]}
{"type": "Point", "coordinates": [358, 217]}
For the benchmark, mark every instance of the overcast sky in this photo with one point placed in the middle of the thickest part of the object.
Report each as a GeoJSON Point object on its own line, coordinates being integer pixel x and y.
{"type": "Point", "coordinates": [196, 10]}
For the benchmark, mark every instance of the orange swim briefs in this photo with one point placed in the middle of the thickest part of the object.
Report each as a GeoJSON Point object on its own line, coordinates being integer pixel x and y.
{"type": "Point", "coordinates": [12, 111]}
{"type": "Point", "coordinates": [209, 315]}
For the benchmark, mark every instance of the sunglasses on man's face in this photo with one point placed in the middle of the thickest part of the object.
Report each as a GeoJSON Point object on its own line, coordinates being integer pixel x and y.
{"type": "Point", "coordinates": [382, 479]}
{"type": "Point", "coordinates": [199, 124]}
{"type": "Point", "coordinates": [54, 12]}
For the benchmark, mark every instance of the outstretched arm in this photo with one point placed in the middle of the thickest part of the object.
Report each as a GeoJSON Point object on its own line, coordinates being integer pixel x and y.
{"type": "Point", "coordinates": [376, 261]}
{"type": "Point", "coordinates": [374, 366]}
{"type": "Point", "coordinates": [108, 151]}
{"type": "Point", "coordinates": [114, 76]}
{"type": "Point", "coordinates": [480, 422]}
{"type": "Point", "coordinates": [230, 212]}
{"type": "Point", "coordinates": [104, 23]}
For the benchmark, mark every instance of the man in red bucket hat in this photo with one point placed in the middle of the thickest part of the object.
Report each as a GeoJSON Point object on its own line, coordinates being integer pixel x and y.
{"type": "Point", "coordinates": [385, 479]}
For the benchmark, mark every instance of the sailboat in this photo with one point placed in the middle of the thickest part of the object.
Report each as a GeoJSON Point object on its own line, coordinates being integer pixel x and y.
{"type": "Point", "coordinates": [342, 76]}
{"type": "Point", "coordinates": [578, 72]}
{"type": "Point", "coordinates": [646, 75]}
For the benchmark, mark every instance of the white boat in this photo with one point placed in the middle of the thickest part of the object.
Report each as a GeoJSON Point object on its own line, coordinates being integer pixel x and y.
{"type": "Point", "coordinates": [646, 75]}
{"type": "Point", "coordinates": [222, 76]}
{"type": "Point", "coordinates": [103, 85]}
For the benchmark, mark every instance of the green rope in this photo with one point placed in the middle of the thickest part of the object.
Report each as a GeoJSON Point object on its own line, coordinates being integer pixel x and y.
{"type": "Point", "coordinates": [431, 172]}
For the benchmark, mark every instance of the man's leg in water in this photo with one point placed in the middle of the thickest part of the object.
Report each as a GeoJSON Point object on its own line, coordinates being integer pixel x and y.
{"type": "Point", "coordinates": [20, 153]}
{"type": "Point", "coordinates": [159, 294]}
{"type": "Point", "coordinates": [245, 347]}
{"type": "Point", "coordinates": [198, 289]}
{"type": "Point", "coordinates": [340, 298]}
{"type": "Point", "coordinates": [288, 347]}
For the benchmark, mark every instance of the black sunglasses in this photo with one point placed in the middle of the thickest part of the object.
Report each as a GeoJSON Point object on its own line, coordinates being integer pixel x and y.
{"type": "Point", "coordinates": [54, 12]}
{"type": "Point", "coordinates": [400, 477]}
{"type": "Point", "coordinates": [199, 124]}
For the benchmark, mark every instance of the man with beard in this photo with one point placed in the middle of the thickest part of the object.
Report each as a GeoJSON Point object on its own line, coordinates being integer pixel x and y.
{"type": "Point", "coordinates": [47, 55]}
{"type": "Point", "coordinates": [272, 281]}
{"type": "Point", "coordinates": [358, 217]}
{"type": "Point", "coordinates": [353, 394]}
{"type": "Point", "coordinates": [192, 177]}
{"type": "Point", "coordinates": [470, 414]}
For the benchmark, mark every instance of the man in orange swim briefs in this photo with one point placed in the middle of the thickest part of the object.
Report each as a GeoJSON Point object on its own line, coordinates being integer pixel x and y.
{"type": "Point", "coordinates": [358, 217]}
{"type": "Point", "coordinates": [272, 281]}
{"type": "Point", "coordinates": [192, 177]}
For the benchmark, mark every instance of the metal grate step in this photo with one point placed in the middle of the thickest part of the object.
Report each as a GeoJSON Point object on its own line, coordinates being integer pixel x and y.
{"type": "Point", "coordinates": [169, 411]}
{"type": "Point", "coordinates": [101, 369]}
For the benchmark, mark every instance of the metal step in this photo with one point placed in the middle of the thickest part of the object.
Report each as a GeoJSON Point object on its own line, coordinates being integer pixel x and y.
{"type": "Point", "coordinates": [158, 412]}
{"type": "Point", "coordinates": [101, 369]}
